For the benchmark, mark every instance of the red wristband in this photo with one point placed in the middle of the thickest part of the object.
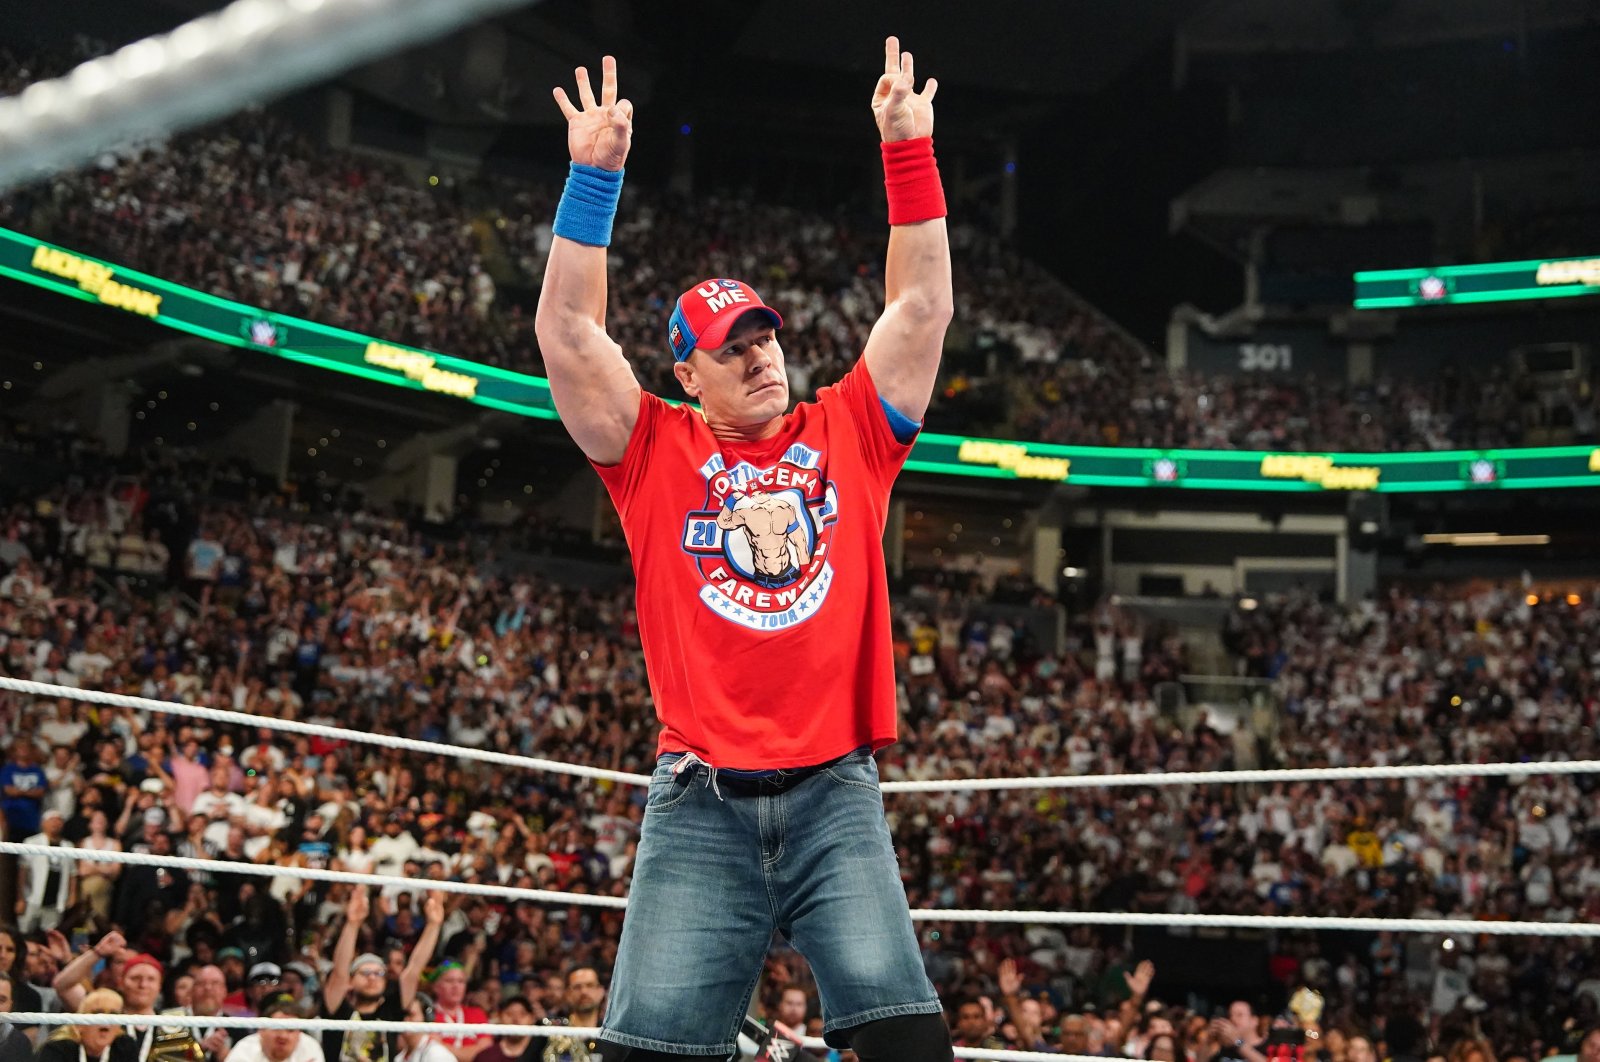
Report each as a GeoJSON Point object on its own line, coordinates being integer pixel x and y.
{"type": "Point", "coordinates": [911, 178]}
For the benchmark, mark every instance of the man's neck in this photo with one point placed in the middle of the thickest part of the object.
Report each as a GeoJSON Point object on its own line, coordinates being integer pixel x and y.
{"type": "Point", "coordinates": [583, 1018]}
{"type": "Point", "coordinates": [745, 433]}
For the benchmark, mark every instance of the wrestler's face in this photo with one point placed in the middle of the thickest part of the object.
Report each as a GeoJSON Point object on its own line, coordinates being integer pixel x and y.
{"type": "Point", "coordinates": [742, 382]}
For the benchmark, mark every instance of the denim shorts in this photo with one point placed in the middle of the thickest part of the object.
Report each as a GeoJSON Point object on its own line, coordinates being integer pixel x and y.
{"type": "Point", "coordinates": [722, 863]}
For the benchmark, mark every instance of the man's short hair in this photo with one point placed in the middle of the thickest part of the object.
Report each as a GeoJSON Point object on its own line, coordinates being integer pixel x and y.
{"type": "Point", "coordinates": [282, 1004]}
{"type": "Point", "coordinates": [584, 966]}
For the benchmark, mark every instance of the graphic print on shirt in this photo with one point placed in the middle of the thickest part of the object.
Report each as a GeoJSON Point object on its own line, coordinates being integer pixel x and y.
{"type": "Point", "coordinates": [761, 541]}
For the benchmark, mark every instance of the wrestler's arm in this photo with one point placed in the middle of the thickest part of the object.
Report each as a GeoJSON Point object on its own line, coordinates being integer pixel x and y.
{"type": "Point", "coordinates": [591, 382]}
{"type": "Point", "coordinates": [902, 353]}
{"type": "Point", "coordinates": [729, 517]}
{"type": "Point", "coordinates": [802, 546]}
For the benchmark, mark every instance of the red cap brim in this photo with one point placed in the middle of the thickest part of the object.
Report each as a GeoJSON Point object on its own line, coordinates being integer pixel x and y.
{"type": "Point", "coordinates": [716, 333]}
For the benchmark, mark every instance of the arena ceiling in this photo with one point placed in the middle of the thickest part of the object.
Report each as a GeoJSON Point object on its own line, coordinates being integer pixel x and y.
{"type": "Point", "coordinates": [1015, 60]}
{"type": "Point", "coordinates": [1253, 26]}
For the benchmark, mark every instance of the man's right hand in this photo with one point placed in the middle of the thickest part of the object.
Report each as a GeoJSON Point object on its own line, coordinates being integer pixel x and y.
{"type": "Point", "coordinates": [110, 945]}
{"type": "Point", "coordinates": [59, 946]}
{"type": "Point", "coordinates": [358, 907]}
{"type": "Point", "coordinates": [1010, 979]}
{"type": "Point", "coordinates": [602, 132]}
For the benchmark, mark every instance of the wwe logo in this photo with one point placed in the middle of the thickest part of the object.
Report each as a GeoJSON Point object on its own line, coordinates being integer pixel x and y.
{"type": "Point", "coordinates": [780, 1051]}
{"type": "Point", "coordinates": [263, 333]}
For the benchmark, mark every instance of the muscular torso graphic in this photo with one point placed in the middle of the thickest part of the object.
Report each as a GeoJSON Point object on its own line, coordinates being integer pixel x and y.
{"type": "Point", "coordinates": [772, 525]}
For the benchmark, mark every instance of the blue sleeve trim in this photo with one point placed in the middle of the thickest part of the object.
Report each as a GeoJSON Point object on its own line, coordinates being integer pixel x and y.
{"type": "Point", "coordinates": [903, 427]}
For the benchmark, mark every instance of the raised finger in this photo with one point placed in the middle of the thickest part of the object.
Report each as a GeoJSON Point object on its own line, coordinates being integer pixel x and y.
{"type": "Point", "coordinates": [585, 90]}
{"type": "Point", "coordinates": [908, 67]}
{"type": "Point", "coordinates": [929, 89]}
{"type": "Point", "coordinates": [891, 55]}
{"type": "Point", "coordinates": [568, 111]}
{"type": "Point", "coordinates": [608, 80]}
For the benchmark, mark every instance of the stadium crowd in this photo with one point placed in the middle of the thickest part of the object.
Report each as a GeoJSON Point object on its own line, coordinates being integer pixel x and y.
{"type": "Point", "coordinates": [117, 576]}
{"type": "Point", "coordinates": [253, 210]}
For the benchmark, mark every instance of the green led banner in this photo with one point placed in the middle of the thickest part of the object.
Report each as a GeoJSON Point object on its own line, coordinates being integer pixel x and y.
{"type": "Point", "coordinates": [277, 335]}
{"type": "Point", "coordinates": [1110, 466]}
{"type": "Point", "coordinates": [1548, 278]}
{"type": "Point", "coordinates": [27, 259]}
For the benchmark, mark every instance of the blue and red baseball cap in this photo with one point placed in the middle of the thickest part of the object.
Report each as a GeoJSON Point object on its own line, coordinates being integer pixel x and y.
{"type": "Point", "coordinates": [706, 313]}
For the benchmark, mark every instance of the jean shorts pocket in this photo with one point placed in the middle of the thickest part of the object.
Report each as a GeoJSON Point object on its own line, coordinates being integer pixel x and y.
{"type": "Point", "coordinates": [861, 773]}
{"type": "Point", "coordinates": [668, 790]}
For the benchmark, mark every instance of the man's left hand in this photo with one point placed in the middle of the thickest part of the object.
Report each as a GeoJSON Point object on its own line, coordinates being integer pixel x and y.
{"type": "Point", "coordinates": [902, 114]}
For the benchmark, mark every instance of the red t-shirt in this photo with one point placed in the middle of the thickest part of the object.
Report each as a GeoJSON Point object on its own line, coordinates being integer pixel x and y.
{"type": "Point", "coordinates": [765, 625]}
{"type": "Point", "coordinates": [467, 1015]}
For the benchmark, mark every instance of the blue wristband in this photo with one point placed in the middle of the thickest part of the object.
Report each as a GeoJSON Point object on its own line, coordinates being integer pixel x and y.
{"type": "Point", "coordinates": [588, 205]}
{"type": "Point", "coordinates": [729, 502]}
{"type": "Point", "coordinates": [794, 525]}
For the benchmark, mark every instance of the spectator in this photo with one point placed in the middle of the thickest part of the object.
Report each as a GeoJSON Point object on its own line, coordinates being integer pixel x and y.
{"type": "Point", "coordinates": [14, 1043]}
{"type": "Point", "coordinates": [1238, 1037]}
{"type": "Point", "coordinates": [93, 1043]}
{"type": "Point", "coordinates": [277, 1045]}
{"type": "Point", "coordinates": [1360, 1049]}
{"type": "Point", "coordinates": [97, 879]}
{"type": "Point", "coordinates": [421, 1046]}
{"type": "Point", "coordinates": [264, 980]}
{"type": "Point", "coordinates": [14, 955]}
{"type": "Point", "coordinates": [49, 883]}
{"type": "Point", "coordinates": [585, 1008]}
{"type": "Point", "coordinates": [514, 1010]}
{"type": "Point", "coordinates": [449, 991]}
{"type": "Point", "coordinates": [108, 956]}
{"type": "Point", "coordinates": [23, 783]}
{"type": "Point", "coordinates": [206, 994]}
{"type": "Point", "coordinates": [974, 1027]}
{"type": "Point", "coordinates": [360, 984]}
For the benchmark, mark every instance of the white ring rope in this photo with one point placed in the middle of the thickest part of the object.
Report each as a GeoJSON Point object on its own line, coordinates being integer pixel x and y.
{"type": "Point", "coordinates": [332, 733]}
{"type": "Point", "coordinates": [1465, 926]}
{"type": "Point", "coordinates": [1276, 774]}
{"type": "Point", "coordinates": [188, 1021]}
{"type": "Point", "coordinates": [1058, 781]}
{"type": "Point", "coordinates": [249, 51]}
{"type": "Point", "coordinates": [223, 1021]}
{"type": "Point", "coordinates": [272, 870]}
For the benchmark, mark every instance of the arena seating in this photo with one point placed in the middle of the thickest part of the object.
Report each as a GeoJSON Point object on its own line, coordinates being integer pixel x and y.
{"type": "Point", "coordinates": [253, 210]}
{"type": "Point", "coordinates": [132, 583]}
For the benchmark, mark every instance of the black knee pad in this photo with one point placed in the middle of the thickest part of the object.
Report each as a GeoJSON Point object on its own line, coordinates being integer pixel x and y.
{"type": "Point", "coordinates": [906, 1038]}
